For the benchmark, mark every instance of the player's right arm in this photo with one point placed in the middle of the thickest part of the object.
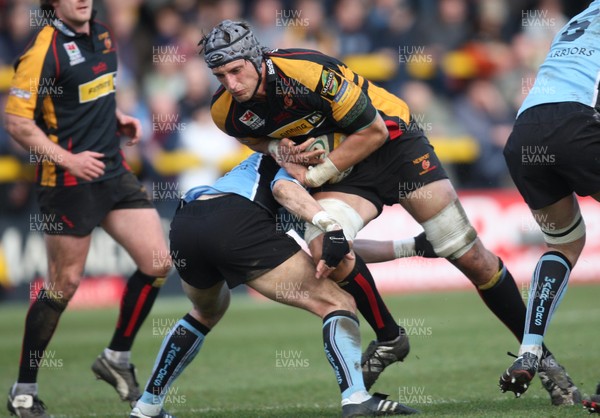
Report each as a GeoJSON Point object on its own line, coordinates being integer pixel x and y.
{"type": "Point", "coordinates": [85, 165]}
{"type": "Point", "coordinates": [25, 105]}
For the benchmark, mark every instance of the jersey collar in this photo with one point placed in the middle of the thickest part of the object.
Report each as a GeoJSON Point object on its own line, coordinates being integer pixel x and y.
{"type": "Point", "coordinates": [66, 30]}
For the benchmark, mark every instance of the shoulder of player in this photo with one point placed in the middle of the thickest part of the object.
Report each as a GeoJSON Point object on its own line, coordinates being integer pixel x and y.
{"type": "Point", "coordinates": [306, 66]}
{"type": "Point", "coordinates": [220, 103]}
{"type": "Point", "coordinates": [300, 54]}
{"type": "Point", "coordinates": [41, 39]}
{"type": "Point", "coordinates": [224, 112]}
{"type": "Point", "coordinates": [38, 48]}
{"type": "Point", "coordinates": [99, 27]}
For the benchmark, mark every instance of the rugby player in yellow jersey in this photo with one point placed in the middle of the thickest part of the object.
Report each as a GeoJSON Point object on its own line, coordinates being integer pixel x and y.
{"type": "Point", "coordinates": [272, 99]}
{"type": "Point", "coordinates": [61, 107]}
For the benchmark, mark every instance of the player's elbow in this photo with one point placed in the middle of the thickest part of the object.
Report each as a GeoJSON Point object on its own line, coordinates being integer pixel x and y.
{"type": "Point", "coordinates": [16, 126]}
{"type": "Point", "coordinates": [380, 132]}
{"type": "Point", "coordinates": [280, 191]}
{"type": "Point", "coordinates": [11, 124]}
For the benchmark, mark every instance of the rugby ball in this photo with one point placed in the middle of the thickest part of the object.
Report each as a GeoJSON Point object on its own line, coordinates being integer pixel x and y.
{"type": "Point", "coordinates": [328, 142]}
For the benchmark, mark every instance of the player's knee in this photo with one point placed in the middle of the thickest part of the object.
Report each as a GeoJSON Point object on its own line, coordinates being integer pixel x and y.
{"type": "Point", "coordinates": [63, 285]}
{"type": "Point", "coordinates": [337, 300]}
{"type": "Point", "coordinates": [209, 308]}
{"type": "Point", "coordinates": [159, 265]}
{"type": "Point", "coordinates": [450, 232]}
{"type": "Point", "coordinates": [346, 301]}
{"type": "Point", "coordinates": [209, 317]}
{"type": "Point", "coordinates": [343, 213]}
{"type": "Point", "coordinates": [568, 240]}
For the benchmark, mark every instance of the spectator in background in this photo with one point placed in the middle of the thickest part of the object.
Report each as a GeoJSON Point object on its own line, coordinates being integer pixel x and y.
{"type": "Point", "coordinates": [449, 28]}
{"type": "Point", "coordinates": [431, 113]}
{"type": "Point", "coordinates": [355, 35]}
{"type": "Point", "coordinates": [395, 24]}
{"type": "Point", "coordinates": [18, 25]}
{"type": "Point", "coordinates": [316, 31]}
{"type": "Point", "coordinates": [544, 21]}
{"type": "Point", "coordinates": [124, 20]}
{"type": "Point", "coordinates": [216, 151]}
{"type": "Point", "coordinates": [168, 25]}
{"type": "Point", "coordinates": [211, 12]}
{"type": "Point", "coordinates": [168, 62]}
{"type": "Point", "coordinates": [165, 135]}
{"type": "Point", "coordinates": [484, 115]}
{"type": "Point", "coordinates": [197, 90]}
{"type": "Point", "coordinates": [264, 18]}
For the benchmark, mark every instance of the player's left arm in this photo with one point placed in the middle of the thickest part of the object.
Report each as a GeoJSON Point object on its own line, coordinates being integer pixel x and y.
{"type": "Point", "coordinates": [360, 144]}
{"type": "Point", "coordinates": [129, 126]}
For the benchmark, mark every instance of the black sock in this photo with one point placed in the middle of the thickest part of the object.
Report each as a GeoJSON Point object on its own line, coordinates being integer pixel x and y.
{"type": "Point", "coordinates": [504, 300]}
{"type": "Point", "coordinates": [138, 298]}
{"type": "Point", "coordinates": [178, 350]}
{"type": "Point", "coordinates": [361, 286]}
{"type": "Point", "coordinates": [40, 323]}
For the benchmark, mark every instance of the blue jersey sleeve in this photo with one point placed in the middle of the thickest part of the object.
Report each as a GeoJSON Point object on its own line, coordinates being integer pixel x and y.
{"type": "Point", "coordinates": [283, 175]}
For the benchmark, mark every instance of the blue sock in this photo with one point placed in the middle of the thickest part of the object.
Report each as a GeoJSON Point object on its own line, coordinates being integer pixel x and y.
{"type": "Point", "coordinates": [548, 286]}
{"type": "Point", "coordinates": [178, 349]}
{"type": "Point", "coordinates": [341, 336]}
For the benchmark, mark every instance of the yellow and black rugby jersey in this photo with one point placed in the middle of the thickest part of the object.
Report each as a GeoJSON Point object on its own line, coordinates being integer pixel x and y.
{"type": "Point", "coordinates": [65, 81]}
{"type": "Point", "coordinates": [309, 94]}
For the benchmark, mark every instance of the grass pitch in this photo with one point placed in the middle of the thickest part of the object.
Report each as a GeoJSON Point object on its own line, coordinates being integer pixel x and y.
{"type": "Point", "coordinates": [265, 360]}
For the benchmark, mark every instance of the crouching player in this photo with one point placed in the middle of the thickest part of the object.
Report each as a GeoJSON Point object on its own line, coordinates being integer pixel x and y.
{"type": "Point", "coordinates": [226, 235]}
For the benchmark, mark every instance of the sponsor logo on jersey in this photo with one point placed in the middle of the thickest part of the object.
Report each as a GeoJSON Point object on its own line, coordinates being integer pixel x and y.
{"type": "Point", "coordinates": [74, 54]}
{"type": "Point", "coordinates": [270, 67]}
{"type": "Point", "coordinates": [288, 101]}
{"type": "Point", "coordinates": [107, 42]}
{"type": "Point", "coordinates": [252, 120]}
{"type": "Point", "coordinates": [314, 118]}
{"type": "Point", "coordinates": [99, 87]}
{"type": "Point", "coordinates": [100, 68]}
{"type": "Point", "coordinates": [281, 116]}
{"type": "Point", "coordinates": [341, 92]}
{"type": "Point", "coordinates": [300, 126]}
{"type": "Point", "coordinates": [296, 128]}
{"type": "Point", "coordinates": [331, 83]}
{"type": "Point", "coordinates": [19, 93]}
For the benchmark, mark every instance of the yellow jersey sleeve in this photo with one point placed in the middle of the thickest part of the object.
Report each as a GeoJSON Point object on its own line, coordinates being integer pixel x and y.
{"type": "Point", "coordinates": [23, 93]}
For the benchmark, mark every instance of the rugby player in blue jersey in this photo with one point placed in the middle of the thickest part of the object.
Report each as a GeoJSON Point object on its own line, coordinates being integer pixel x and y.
{"type": "Point", "coordinates": [226, 235]}
{"type": "Point", "coordinates": [553, 154]}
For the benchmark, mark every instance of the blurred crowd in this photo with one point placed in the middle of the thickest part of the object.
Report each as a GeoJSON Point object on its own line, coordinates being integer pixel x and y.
{"type": "Point", "coordinates": [463, 66]}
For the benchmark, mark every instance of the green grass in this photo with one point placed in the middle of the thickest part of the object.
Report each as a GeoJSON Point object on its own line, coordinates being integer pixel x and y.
{"type": "Point", "coordinates": [452, 370]}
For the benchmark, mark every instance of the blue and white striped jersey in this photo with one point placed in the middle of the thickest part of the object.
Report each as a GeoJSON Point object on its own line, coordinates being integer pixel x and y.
{"type": "Point", "coordinates": [571, 70]}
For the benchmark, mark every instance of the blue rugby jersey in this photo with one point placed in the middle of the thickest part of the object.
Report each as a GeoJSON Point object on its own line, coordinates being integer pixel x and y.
{"type": "Point", "coordinates": [571, 70]}
{"type": "Point", "coordinates": [250, 179]}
